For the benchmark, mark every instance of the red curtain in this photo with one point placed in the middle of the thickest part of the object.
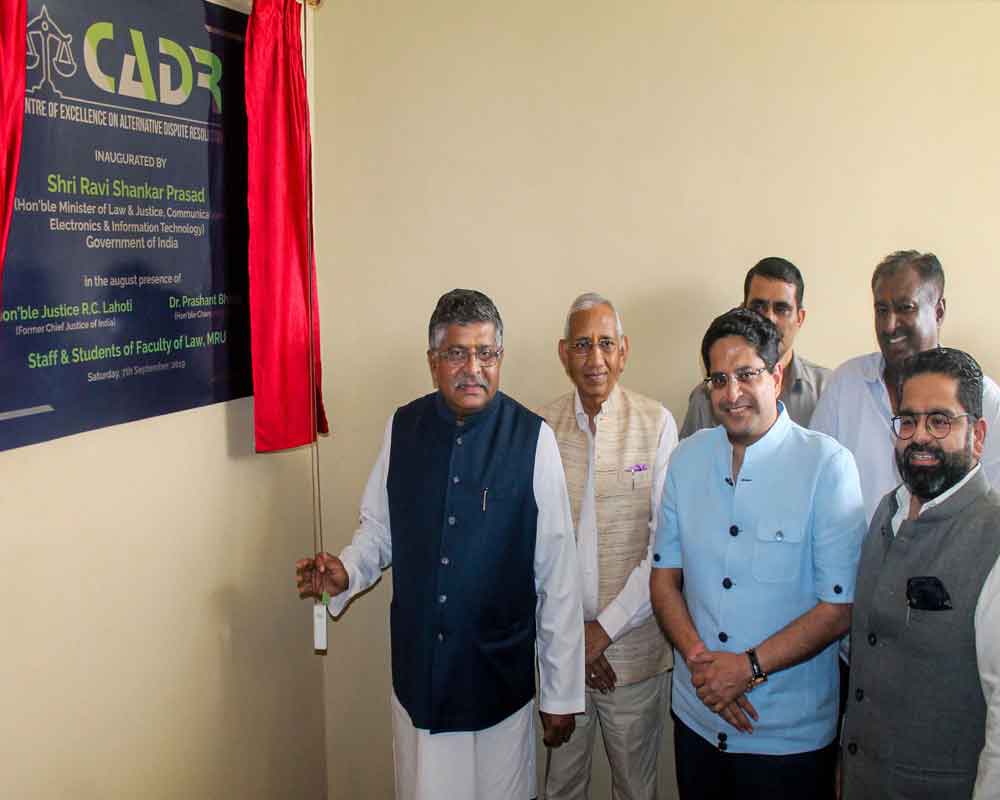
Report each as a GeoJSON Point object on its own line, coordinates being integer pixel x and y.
{"type": "Point", "coordinates": [285, 347]}
{"type": "Point", "coordinates": [13, 40]}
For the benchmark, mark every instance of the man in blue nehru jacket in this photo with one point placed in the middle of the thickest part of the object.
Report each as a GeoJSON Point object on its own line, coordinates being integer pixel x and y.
{"type": "Point", "coordinates": [754, 562]}
{"type": "Point", "coordinates": [467, 502]}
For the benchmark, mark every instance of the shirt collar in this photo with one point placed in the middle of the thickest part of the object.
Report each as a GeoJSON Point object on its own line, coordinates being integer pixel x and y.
{"type": "Point", "coordinates": [470, 420]}
{"type": "Point", "coordinates": [757, 453]}
{"type": "Point", "coordinates": [903, 497]}
{"type": "Point", "coordinates": [872, 367]}
{"type": "Point", "coordinates": [607, 407]}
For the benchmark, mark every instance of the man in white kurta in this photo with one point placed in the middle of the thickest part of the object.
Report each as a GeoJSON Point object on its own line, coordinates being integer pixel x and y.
{"type": "Point", "coordinates": [437, 754]}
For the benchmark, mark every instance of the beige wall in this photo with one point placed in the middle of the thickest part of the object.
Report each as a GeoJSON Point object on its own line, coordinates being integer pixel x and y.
{"type": "Point", "coordinates": [153, 645]}
{"type": "Point", "coordinates": [649, 150]}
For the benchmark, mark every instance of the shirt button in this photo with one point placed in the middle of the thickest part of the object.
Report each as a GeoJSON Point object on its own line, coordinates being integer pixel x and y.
{"type": "Point", "coordinates": [458, 440]}
{"type": "Point", "coordinates": [455, 479]}
{"type": "Point", "coordinates": [859, 694]}
{"type": "Point", "coordinates": [852, 748]}
{"type": "Point", "coordinates": [779, 536]}
{"type": "Point", "coordinates": [872, 638]}
{"type": "Point", "coordinates": [727, 583]}
{"type": "Point", "coordinates": [733, 530]}
{"type": "Point", "coordinates": [444, 561]}
{"type": "Point", "coordinates": [451, 520]}
{"type": "Point", "coordinates": [442, 598]}
{"type": "Point", "coordinates": [723, 637]}
{"type": "Point", "coordinates": [838, 589]}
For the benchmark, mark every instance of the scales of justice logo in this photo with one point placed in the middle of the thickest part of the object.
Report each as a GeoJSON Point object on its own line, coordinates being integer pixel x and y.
{"type": "Point", "coordinates": [48, 54]}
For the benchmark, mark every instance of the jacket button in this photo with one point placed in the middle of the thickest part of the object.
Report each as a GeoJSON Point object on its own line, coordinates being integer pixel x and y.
{"type": "Point", "coordinates": [442, 598]}
{"type": "Point", "coordinates": [723, 746]}
{"type": "Point", "coordinates": [838, 589]}
{"type": "Point", "coordinates": [440, 637]}
{"type": "Point", "coordinates": [852, 748]}
{"type": "Point", "coordinates": [872, 638]}
{"type": "Point", "coordinates": [727, 583]}
{"type": "Point", "coordinates": [723, 636]}
{"type": "Point", "coordinates": [733, 530]}
{"type": "Point", "coordinates": [456, 479]}
{"type": "Point", "coordinates": [859, 694]}
{"type": "Point", "coordinates": [445, 561]}
{"type": "Point", "coordinates": [723, 736]}
{"type": "Point", "coordinates": [451, 520]}
{"type": "Point", "coordinates": [656, 556]}
{"type": "Point", "coordinates": [458, 440]}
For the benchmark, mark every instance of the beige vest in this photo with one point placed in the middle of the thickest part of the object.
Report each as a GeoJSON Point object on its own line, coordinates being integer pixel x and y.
{"type": "Point", "coordinates": [627, 435]}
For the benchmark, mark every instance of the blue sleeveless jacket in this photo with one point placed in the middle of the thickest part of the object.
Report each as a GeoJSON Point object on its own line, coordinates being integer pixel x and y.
{"type": "Point", "coordinates": [463, 517]}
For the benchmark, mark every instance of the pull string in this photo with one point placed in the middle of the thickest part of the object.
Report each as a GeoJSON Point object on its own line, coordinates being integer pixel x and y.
{"type": "Point", "coordinates": [317, 491]}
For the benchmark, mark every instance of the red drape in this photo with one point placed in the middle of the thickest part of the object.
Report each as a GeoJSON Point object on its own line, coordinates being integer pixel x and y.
{"type": "Point", "coordinates": [13, 42]}
{"type": "Point", "coordinates": [288, 404]}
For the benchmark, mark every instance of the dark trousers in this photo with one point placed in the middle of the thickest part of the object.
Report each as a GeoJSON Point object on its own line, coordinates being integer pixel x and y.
{"type": "Point", "coordinates": [704, 772]}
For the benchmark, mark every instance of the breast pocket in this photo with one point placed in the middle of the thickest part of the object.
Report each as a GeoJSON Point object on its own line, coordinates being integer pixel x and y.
{"type": "Point", "coordinates": [778, 550]}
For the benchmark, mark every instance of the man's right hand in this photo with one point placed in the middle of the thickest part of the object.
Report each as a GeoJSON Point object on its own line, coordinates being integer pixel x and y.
{"type": "Point", "coordinates": [324, 573]}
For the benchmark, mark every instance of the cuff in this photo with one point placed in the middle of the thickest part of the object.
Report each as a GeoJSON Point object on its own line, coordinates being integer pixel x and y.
{"type": "Point", "coordinates": [613, 619]}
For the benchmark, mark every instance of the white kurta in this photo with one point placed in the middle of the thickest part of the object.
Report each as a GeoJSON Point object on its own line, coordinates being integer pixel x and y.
{"type": "Point", "coordinates": [497, 763]}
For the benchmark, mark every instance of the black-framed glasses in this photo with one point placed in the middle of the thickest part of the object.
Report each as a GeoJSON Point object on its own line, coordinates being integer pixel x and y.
{"type": "Point", "coordinates": [458, 356]}
{"type": "Point", "coordinates": [743, 376]}
{"type": "Point", "coordinates": [937, 423]}
{"type": "Point", "coordinates": [582, 348]}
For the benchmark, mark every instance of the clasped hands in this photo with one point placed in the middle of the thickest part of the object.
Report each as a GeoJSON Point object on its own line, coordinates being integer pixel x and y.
{"type": "Point", "coordinates": [721, 680]}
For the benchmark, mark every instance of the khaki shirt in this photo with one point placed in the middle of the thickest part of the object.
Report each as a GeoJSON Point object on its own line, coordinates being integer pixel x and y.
{"type": "Point", "coordinates": [800, 391]}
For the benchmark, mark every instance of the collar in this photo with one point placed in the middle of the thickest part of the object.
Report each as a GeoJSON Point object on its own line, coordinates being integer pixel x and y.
{"type": "Point", "coordinates": [471, 420]}
{"type": "Point", "coordinates": [756, 455]}
{"type": "Point", "coordinates": [793, 373]}
{"type": "Point", "coordinates": [872, 366]}
{"type": "Point", "coordinates": [607, 407]}
{"type": "Point", "coordinates": [903, 497]}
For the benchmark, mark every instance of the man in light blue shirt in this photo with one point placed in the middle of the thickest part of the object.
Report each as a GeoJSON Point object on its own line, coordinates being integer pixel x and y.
{"type": "Point", "coordinates": [754, 562]}
{"type": "Point", "coordinates": [858, 401]}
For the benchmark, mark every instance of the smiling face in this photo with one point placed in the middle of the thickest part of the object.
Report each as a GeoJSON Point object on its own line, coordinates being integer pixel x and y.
{"type": "Point", "coordinates": [593, 355]}
{"type": "Point", "coordinates": [467, 387]}
{"type": "Point", "coordinates": [746, 410]}
{"type": "Point", "coordinates": [931, 466]}
{"type": "Point", "coordinates": [908, 315]}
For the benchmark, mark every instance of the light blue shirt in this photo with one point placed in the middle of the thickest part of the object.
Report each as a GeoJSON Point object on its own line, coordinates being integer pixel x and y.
{"type": "Point", "coordinates": [854, 409]}
{"type": "Point", "coordinates": [756, 555]}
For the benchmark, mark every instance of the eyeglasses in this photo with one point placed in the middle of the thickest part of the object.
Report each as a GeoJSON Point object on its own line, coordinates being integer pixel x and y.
{"type": "Point", "coordinates": [458, 356]}
{"type": "Point", "coordinates": [744, 377]}
{"type": "Point", "coordinates": [582, 348]}
{"type": "Point", "coordinates": [937, 423]}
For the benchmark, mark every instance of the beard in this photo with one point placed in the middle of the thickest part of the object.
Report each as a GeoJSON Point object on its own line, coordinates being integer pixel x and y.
{"type": "Point", "coordinates": [930, 481]}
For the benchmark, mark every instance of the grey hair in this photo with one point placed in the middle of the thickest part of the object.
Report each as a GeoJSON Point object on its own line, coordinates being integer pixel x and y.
{"type": "Point", "coordinates": [587, 301]}
{"type": "Point", "coordinates": [462, 307]}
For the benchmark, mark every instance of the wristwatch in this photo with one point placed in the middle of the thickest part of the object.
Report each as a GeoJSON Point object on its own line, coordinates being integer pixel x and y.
{"type": "Point", "coordinates": [758, 675]}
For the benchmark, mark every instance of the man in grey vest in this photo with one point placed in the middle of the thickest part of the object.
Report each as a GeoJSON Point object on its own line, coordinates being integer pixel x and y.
{"type": "Point", "coordinates": [614, 444]}
{"type": "Point", "coordinates": [773, 288]}
{"type": "Point", "coordinates": [923, 716]}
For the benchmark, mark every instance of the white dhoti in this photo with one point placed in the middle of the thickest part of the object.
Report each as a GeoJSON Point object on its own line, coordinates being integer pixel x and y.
{"type": "Point", "coordinates": [497, 763]}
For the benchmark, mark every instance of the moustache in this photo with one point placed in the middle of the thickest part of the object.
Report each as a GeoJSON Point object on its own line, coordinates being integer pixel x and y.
{"type": "Point", "coordinates": [465, 381]}
{"type": "Point", "coordinates": [928, 449]}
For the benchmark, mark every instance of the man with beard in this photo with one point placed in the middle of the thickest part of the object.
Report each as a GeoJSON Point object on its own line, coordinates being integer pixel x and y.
{"type": "Point", "coordinates": [923, 719]}
{"type": "Point", "coordinates": [467, 501]}
{"type": "Point", "coordinates": [860, 399]}
{"type": "Point", "coordinates": [754, 563]}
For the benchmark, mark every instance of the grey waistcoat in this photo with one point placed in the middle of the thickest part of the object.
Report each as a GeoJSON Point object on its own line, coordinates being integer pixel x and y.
{"type": "Point", "coordinates": [916, 715]}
